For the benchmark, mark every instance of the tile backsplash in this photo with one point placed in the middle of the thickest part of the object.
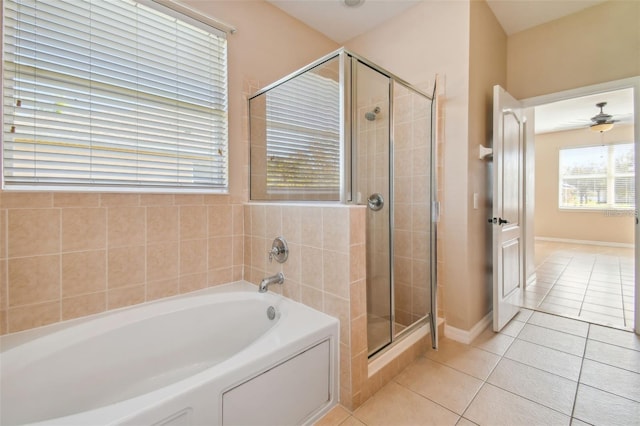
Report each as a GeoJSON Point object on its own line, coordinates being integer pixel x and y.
{"type": "Point", "coordinates": [66, 255]}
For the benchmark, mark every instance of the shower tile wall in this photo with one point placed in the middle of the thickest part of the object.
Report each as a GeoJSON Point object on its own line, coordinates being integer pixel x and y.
{"type": "Point", "coordinates": [373, 154]}
{"type": "Point", "coordinates": [67, 255]}
{"type": "Point", "coordinates": [412, 157]}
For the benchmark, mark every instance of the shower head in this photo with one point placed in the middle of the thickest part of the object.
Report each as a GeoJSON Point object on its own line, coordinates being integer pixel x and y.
{"type": "Point", "coordinates": [371, 115]}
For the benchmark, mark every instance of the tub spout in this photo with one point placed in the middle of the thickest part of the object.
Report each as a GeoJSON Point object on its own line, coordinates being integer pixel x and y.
{"type": "Point", "coordinates": [266, 282]}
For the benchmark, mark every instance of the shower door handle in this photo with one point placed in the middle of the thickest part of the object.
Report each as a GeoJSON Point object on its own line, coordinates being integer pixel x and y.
{"type": "Point", "coordinates": [375, 201]}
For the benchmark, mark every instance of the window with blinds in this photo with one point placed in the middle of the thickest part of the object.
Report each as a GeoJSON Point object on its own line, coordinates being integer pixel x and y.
{"type": "Point", "coordinates": [303, 135]}
{"type": "Point", "coordinates": [112, 94]}
{"type": "Point", "coordinates": [597, 177]}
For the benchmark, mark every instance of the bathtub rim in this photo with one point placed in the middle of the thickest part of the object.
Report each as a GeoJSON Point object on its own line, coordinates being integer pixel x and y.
{"type": "Point", "coordinates": [11, 340]}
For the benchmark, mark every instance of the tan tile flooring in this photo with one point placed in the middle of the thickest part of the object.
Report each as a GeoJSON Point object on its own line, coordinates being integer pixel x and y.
{"type": "Point", "coordinates": [593, 283]}
{"type": "Point", "coordinates": [542, 369]}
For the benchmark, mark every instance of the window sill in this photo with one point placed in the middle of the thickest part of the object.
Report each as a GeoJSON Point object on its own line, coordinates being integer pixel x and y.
{"type": "Point", "coordinates": [607, 211]}
{"type": "Point", "coordinates": [111, 189]}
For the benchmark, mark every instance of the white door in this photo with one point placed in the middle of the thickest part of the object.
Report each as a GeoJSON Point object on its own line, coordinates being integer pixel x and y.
{"type": "Point", "coordinates": [508, 203]}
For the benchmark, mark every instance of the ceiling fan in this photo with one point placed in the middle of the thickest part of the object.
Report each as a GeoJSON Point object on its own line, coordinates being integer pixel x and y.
{"type": "Point", "coordinates": [602, 122]}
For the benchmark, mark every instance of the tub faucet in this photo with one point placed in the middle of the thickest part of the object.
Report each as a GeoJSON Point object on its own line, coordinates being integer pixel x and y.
{"type": "Point", "coordinates": [266, 282]}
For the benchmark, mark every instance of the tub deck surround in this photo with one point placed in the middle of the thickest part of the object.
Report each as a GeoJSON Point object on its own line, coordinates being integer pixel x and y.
{"type": "Point", "coordinates": [193, 359]}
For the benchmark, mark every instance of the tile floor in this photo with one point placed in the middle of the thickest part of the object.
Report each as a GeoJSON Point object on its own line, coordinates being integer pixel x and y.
{"type": "Point", "coordinates": [542, 369]}
{"type": "Point", "coordinates": [593, 283]}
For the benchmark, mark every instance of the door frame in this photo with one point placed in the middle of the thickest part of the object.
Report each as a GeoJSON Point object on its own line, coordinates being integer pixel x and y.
{"type": "Point", "coordinates": [627, 83]}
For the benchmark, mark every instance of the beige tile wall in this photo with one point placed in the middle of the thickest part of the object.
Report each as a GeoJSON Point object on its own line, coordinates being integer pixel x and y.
{"type": "Point", "coordinates": [66, 255]}
{"type": "Point", "coordinates": [412, 157]}
{"type": "Point", "coordinates": [326, 270]}
{"type": "Point", "coordinates": [373, 177]}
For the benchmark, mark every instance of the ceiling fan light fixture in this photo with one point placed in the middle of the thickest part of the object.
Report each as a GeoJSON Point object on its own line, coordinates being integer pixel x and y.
{"type": "Point", "coordinates": [601, 127]}
{"type": "Point", "coordinates": [602, 122]}
{"type": "Point", "coordinates": [352, 3]}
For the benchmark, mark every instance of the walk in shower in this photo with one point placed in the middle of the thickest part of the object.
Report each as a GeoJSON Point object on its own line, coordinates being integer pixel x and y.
{"type": "Point", "coordinates": [343, 129]}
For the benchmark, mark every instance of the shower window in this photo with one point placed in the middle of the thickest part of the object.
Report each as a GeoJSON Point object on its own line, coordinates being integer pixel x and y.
{"type": "Point", "coordinates": [295, 138]}
{"type": "Point", "coordinates": [303, 136]}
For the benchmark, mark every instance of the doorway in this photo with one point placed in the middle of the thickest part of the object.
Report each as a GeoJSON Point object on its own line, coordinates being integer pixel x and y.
{"type": "Point", "coordinates": [580, 259]}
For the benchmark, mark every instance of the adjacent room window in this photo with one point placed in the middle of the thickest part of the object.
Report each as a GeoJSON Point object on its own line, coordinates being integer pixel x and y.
{"type": "Point", "coordinates": [111, 95]}
{"type": "Point", "coordinates": [597, 177]}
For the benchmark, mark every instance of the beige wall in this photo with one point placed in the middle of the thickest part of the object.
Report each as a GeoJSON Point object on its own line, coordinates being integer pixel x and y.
{"type": "Point", "coordinates": [550, 221]}
{"type": "Point", "coordinates": [67, 255]}
{"type": "Point", "coordinates": [428, 39]}
{"type": "Point", "coordinates": [488, 59]}
{"type": "Point", "coordinates": [598, 44]}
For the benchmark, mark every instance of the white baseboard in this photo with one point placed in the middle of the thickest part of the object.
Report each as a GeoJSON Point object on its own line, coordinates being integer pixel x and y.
{"type": "Point", "coordinates": [464, 336]}
{"type": "Point", "coordinates": [586, 242]}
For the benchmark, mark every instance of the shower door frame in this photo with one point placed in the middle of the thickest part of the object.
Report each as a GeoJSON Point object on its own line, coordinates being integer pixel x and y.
{"type": "Point", "coordinates": [354, 175]}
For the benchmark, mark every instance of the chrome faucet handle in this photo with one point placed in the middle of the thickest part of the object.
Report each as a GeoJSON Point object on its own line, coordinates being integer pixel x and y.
{"type": "Point", "coordinates": [279, 250]}
{"type": "Point", "coordinates": [275, 251]}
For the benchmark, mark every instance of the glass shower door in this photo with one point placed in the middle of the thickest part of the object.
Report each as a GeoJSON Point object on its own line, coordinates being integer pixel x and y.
{"type": "Point", "coordinates": [371, 125]}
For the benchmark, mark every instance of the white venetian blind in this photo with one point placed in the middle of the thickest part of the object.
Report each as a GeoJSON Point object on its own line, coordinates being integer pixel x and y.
{"type": "Point", "coordinates": [112, 94]}
{"type": "Point", "coordinates": [303, 135]}
{"type": "Point", "coordinates": [624, 175]}
{"type": "Point", "coordinates": [597, 177]}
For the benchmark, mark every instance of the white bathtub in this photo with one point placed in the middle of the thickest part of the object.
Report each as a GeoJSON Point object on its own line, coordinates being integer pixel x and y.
{"type": "Point", "coordinates": [211, 357]}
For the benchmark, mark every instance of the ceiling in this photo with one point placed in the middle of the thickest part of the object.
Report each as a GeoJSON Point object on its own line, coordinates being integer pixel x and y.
{"type": "Point", "coordinates": [519, 15]}
{"type": "Point", "coordinates": [576, 113]}
{"type": "Point", "coordinates": [341, 23]}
